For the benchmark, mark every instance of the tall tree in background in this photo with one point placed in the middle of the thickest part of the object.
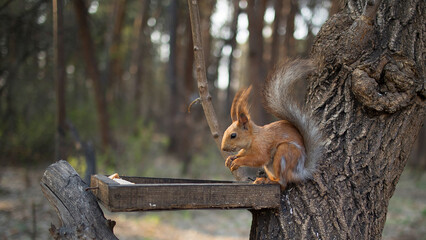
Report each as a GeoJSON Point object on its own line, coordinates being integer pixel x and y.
{"type": "Point", "coordinates": [275, 45]}
{"type": "Point", "coordinates": [186, 140]}
{"type": "Point", "coordinates": [206, 10]}
{"type": "Point", "coordinates": [93, 71]}
{"type": "Point", "coordinates": [59, 76]}
{"type": "Point", "coordinates": [233, 45]}
{"type": "Point", "coordinates": [113, 71]}
{"type": "Point", "coordinates": [369, 96]}
{"type": "Point", "coordinates": [257, 67]}
{"type": "Point", "coordinates": [136, 68]}
{"type": "Point", "coordinates": [181, 138]}
{"type": "Point", "coordinates": [172, 76]}
{"type": "Point", "coordinates": [289, 41]}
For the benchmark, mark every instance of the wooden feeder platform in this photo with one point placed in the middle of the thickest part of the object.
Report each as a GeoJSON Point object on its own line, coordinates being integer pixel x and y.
{"type": "Point", "coordinates": [174, 194]}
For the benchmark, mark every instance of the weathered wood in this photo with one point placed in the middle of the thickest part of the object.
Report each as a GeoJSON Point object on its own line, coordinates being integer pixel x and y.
{"type": "Point", "coordinates": [79, 214]}
{"type": "Point", "coordinates": [175, 194]}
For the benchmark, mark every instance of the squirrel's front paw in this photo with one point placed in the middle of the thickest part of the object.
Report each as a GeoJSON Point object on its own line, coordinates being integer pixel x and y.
{"type": "Point", "coordinates": [235, 164]}
{"type": "Point", "coordinates": [229, 160]}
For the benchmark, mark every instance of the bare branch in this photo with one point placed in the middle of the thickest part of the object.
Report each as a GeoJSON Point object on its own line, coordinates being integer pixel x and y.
{"type": "Point", "coordinates": [206, 99]}
{"type": "Point", "coordinates": [201, 73]}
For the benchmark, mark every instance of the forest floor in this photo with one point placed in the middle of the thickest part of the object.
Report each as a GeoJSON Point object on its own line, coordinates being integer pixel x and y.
{"type": "Point", "coordinates": [25, 214]}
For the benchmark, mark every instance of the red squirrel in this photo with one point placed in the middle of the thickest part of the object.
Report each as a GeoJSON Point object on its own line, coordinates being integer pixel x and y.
{"type": "Point", "coordinates": [287, 149]}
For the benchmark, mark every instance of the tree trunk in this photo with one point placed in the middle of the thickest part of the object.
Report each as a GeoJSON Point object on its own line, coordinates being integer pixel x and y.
{"type": "Point", "coordinates": [369, 97]}
{"type": "Point", "coordinates": [114, 69]}
{"type": "Point", "coordinates": [289, 41]}
{"type": "Point", "coordinates": [172, 77]}
{"type": "Point", "coordinates": [93, 71]}
{"type": "Point", "coordinates": [335, 7]}
{"type": "Point", "coordinates": [138, 51]}
{"type": "Point", "coordinates": [206, 11]}
{"type": "Point", "coordinates": [187, 131]}
{"type": "Point", "coordinates": [275, 45]}
{"type": "Point", "coordinates": [78, 211]}
{"type": "Point", "coordinates": [59, 75]}
{"type": "Point", "coordinates": [233, 44]}
{"type": "Point", "coordinates": [257, 66]}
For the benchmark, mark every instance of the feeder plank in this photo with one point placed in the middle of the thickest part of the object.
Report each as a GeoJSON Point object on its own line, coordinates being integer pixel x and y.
{"type": "Point", "coordinates": [174, 194]}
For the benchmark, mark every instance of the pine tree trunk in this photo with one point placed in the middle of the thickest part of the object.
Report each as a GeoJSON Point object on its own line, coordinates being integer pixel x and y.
{"type": "Point", "coordinates": [289, 41]}
{"type": "Point", "coordinates": [369, 97]}
{"type": "Point", "coordinates": [257, 67]}
{"type": "Point", "coordinates": [114, 69]}
{"type": "Point", "coordinates": [93, 71]}
{"type": "Point", "coordinates": [59, 76]}
{"type": "Point", "coordinates": [275, 45]}
{"type": "Point", "coordinates": [139, 48]}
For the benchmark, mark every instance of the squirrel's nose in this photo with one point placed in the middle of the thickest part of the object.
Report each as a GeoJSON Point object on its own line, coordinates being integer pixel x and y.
{"type": "Point", "coordinates": [223, 148]}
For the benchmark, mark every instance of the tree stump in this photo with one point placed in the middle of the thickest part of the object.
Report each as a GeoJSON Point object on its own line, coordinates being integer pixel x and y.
{"type": "Point", "coordinates": [78, 211]}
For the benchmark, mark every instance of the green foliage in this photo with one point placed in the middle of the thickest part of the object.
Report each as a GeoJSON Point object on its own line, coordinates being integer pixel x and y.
{"type": "Point", "coordinates": [26, 124]}
{"type": "Point", "coordinates": [209, 164]}
{"type": "Point", "coordinates": [79, 164]}
{"type": "Point", "coordinates": [137, 151]}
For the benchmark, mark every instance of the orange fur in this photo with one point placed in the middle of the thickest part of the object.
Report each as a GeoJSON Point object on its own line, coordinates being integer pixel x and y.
{"type": "Point", "coordinates": [277, 146]}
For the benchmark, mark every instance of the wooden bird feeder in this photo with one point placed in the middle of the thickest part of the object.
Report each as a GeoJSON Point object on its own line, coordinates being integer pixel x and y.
{"type": "Point", "coordinates": [174, 194]}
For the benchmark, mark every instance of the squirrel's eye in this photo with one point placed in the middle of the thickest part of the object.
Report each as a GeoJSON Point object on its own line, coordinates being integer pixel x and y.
{"type": "Point", "coordinates": [233, 135]}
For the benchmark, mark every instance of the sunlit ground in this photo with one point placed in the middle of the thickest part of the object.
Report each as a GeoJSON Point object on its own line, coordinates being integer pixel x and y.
{"type": "Point", "coordinates": [25, 213]}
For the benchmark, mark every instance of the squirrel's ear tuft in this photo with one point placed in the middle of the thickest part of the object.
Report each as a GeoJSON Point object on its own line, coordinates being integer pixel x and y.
{"type": "Point", "coordinates": [235, 103]}
{"type": "Point", "coordinates": [240, 105]}
{"type": "Point", "coordinates": [243, 119]}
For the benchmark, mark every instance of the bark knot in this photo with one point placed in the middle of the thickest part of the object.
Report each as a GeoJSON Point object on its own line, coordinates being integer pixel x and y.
{"type": "Point", "coordinates": [388, 84]}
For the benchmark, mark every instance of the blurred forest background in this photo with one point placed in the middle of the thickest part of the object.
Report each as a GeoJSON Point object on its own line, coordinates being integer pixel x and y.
{"type": "Point", "coordinates": [116, 77]}
{"type": "Point", "coordinates": [106, 84]}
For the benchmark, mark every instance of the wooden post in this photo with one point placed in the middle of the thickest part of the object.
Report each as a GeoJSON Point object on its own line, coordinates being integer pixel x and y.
{"type": "Point", "coordinates": [78, 211]}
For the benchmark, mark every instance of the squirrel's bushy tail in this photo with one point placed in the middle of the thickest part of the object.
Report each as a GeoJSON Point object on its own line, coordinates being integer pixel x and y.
{"type": "Point", "coordinates": [282, 100]}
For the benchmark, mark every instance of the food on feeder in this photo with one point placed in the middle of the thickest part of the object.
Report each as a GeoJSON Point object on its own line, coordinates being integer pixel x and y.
{"type": "Point", "coordinates": [117, 178]}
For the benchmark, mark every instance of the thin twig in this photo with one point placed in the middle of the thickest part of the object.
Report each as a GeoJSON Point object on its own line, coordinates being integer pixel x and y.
{"type": "Point", "coordinates": [197, 100]}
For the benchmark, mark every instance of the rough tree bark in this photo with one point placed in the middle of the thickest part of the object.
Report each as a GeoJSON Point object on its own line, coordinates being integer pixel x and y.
{"type": "Point", "coordinates": [369, 95]}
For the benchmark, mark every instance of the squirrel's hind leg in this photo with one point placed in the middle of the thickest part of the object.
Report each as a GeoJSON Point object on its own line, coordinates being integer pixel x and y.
{"type": "Point", "coordinates": [285, 161]}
